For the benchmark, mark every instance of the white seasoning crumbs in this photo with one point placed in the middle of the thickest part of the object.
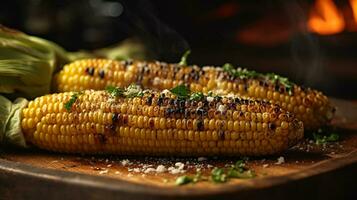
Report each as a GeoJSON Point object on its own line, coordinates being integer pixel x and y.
{"type": "Point", "coordinates": [125, 162]}
{"type": "Point", "coordinates": [222, 108]}
{"type": "Point", "coordinates": [210, 99]}
{"type": "Point", "coordinates": [280, 161]}
{"type": "Point", "coordinates": [180, 165]}
{"type": "Point", "coordinates": [161, 169]}
{"type": "Point", "coordinates": [266, 165]}
{"type": "Point", "coordinates": [200, 159]}
{"type": "Point", "coordinates": [137, 170]}
{"type": "Point", "coordinates": [104, 171]}
{"type": "Point", "coordinates": [148, 170]}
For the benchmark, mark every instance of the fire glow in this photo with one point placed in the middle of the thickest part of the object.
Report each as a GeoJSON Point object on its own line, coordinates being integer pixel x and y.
{"type": "Point", "coordinates": [326, 19]}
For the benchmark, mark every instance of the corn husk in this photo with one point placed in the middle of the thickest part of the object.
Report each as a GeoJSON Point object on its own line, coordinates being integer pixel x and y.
{"type": "Point", "coordinates": [27, 63]}
{"type": "Point", "coordinates": [10, 122]}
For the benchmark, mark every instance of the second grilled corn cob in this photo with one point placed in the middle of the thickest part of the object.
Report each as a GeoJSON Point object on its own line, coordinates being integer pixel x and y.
{"type": "Point", "coordinates": [310, 106]}
{"type": "Point", "coordinates": [152, 123]}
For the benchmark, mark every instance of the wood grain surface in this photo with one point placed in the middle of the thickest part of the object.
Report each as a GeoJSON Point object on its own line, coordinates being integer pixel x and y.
{"type": "Point", "coordinates": [310, 170]}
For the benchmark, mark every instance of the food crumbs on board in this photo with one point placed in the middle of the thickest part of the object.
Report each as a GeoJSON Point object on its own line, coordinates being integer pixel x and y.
{"type": "Point", "coordinates": [280, 161]}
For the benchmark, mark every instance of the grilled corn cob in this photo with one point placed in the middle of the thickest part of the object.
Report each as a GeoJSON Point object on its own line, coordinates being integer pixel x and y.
{"type": "Point", "coordinates": [308, 105]}
{"type": "Point", "coordinates": [153, 123]}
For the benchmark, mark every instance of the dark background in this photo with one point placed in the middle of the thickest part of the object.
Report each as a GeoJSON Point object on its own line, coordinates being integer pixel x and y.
{"type": "Point", "coordinates": [268, 36]}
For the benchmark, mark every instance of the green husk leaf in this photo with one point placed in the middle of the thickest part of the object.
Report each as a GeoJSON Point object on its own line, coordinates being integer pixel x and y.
{"type": "Point", "coordinates": [10, 122]}
{"type": "Point", "coordinates": [183, 61]}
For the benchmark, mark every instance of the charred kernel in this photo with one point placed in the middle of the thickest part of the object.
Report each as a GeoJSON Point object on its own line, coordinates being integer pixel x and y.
{"type": "Point", "coordinates": [200, 125]}
{"type": "Point", "coordinates": [221, 135]}
{"type": "Point", "coordinates": [115, 117]}
{"type": "Point", "coordinates": [149, 100]}
{"type": "Point", "coordinates": [272, 126]}
{"type": "Point", "coordinates": [101, 138]}
{"type": "Point", "coordinates": [101, 73]}
{"type": "Point", "coordinates": [125, 119]}
{"type": "Point", "coordinates": [90, 71]}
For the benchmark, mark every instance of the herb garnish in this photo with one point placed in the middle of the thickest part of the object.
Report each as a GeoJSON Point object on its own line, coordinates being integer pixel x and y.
{"type": "Point", "coordinates": [244, 73]}
{"type": "Point", "coordinates": [183, 61]}
{"type": "Point", "coordinates": [115, 91]}
{"type": "Point", "coordinates": [183, 180]}
{"type": "Point", "coordinates": [218, 175]}
{"type": "Point", "coordinates": [181, 91]}
{"type": "Point", "coordinates": [239, 170]}
{"type": "Point", "coordinates": [131, 91]}
{"type": "Point", "coordinates": [323, 139]}
{"type": "Point", "coordinates": [197, 96]}
{"type": "Point", "coordinates": [68, 105]}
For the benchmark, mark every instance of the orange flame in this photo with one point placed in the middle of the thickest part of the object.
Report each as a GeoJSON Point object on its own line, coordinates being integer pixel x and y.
{"type": "Point", "coordinates": [354, 9]}
{"type": "Point", "coordinates": [326, 19]}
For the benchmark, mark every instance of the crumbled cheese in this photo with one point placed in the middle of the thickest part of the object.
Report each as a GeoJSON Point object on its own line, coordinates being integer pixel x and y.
{"type": "Point", "coordinates": [137, 170]}
{"type": "Point", "coordinates": [200, 159]}
{"type": "Point", "coordinates": [125, 162]}
{"type": "Point", "coordinates": [230, 95]}
{"type": "Point", "coordinates": [132, 89]}
{"type": "Point", "coordinates": [280, 161]}
{"type": "Point", "coordinates": [104, 171]}
{"type": "Point", "coordinates": [166, 92]}
{"type": "Point", "coordinates": [222, 108]}
{"type": "Point", "coordinates": [210, 99]}
{"type": "Point", "coordinates": [160, 169]}
{"type": "Point", "coordinates": [179, 165]}
{"type": "Point", "coordinates": [150, 169]}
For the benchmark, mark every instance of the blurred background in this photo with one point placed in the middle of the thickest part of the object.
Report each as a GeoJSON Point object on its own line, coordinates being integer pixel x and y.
{"type": "Point", "coordinates": [313, 42]}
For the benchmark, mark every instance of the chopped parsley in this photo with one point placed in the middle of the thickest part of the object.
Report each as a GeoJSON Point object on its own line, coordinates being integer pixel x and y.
{"type": "Point", "coordinates": [324, 139]}
{"type": "Point", "coordinates": [239, 170]}
{"type": "Point", "coordinates": [183, 61]}
{"type": "Point", "coordinates": [197, 96]}
{"type": "Point", "coordinates": [133, 90]}
{"type": "Point", "coordinates": [244, 73]}
{"type": "Point", "coordinates": [68, 105]}
{"type": "Point", "coordinates": [181, 91]}
{"type": "Point", "coordinates": [183, 180]}
{"type": "Point", "coordinates": [130, 92]}
{"type": "Point", "coordinates": [218, 175]}
{"type": "Point", "coordinates": [115, 91]}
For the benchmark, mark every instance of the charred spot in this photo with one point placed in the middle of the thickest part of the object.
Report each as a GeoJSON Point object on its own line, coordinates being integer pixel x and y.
{"type": "Point", "coordinates": [200, 125]}
{"type": "Point", "coordinates": [276, 110]}
{"type": "Point", "coordinates": [101, 73]}
{"type": "Point", "coordinates": [200, 111]}
{"type": "Point", "coordinates": [169, 111]}
{"type": "Point", "coordinates": [115, 117]}
{"type": "Point", "coordinates": [276, 87]}
{"type": "Point", "coordinates": [241, 114]}
{"type": "Point", "coordinates": [237, 100]}
{"type": "Point", "coordinates": [149, 100]}
{"type": "Point", "coordinates": [160, 101]}
{"type": "Point", "coordinates": [101, 138]}
{"type": "Point", "coordinates": [127, 62]}
{"type": "Point", "coordinates": [111, 128]}
{"type": "Point", "coordinates": [172, 102]}
{"type": "Point", "coordinates": [182, 103]}
{"type": "Point", "coordinates": [282, 89]}
{"type": "Point", "coordinates": [221, 135]}
{"type": "Point", "coordinates": [194, 103]}
{"type": "Point", "coordinates": [246, 87]}
{"type": "Point", "coordinates": [272, 126]}
{"type": "Point", "coordinates": [187, 113]}
{"type": "Point", "coordinates": [151, 123]}
{"type": "Point", "coordinates": [217, 98]}
{"type": "Point", "coordinates": [90, 71]}
{"type": "Point", "coordinates": [125, 119]}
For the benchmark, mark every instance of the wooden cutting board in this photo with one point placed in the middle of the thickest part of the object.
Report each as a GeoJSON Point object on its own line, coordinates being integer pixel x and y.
{"type": "Point", "coordinates": [307, 170]}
